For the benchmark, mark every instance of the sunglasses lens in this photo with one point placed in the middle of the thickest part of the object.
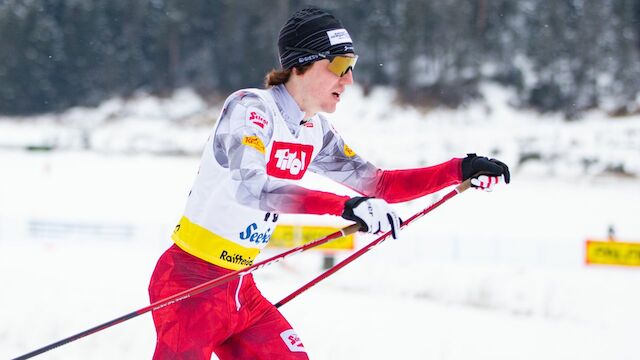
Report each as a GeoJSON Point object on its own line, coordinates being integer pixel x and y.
{"type": "Point", "coordinates": [340, 65]}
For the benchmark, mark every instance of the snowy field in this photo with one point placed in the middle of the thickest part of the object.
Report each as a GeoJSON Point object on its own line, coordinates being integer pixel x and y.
{"type": "Point", "coordinates": [486, 276]}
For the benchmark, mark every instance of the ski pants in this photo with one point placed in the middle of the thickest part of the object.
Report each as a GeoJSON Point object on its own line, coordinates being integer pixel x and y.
{"type": "Point", "coordinates": [232, 320]}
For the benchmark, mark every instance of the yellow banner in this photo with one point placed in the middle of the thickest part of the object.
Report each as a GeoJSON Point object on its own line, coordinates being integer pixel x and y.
{"type": "Point", "coordinates": [612, 253]}
{"type": "Point", "coordinates": [290, 236]}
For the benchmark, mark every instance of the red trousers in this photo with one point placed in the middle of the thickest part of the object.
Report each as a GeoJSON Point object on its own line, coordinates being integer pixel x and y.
{"type": "Point", "coordinates": [233, 320]}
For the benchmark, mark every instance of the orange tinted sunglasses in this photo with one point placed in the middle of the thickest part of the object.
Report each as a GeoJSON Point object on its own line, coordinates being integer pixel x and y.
{"type": "Point", "coordinates": [338, 64]}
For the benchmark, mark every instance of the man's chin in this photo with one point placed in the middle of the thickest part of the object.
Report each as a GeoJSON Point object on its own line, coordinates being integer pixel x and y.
{"type": "Point", "coordinates": [329, 108]}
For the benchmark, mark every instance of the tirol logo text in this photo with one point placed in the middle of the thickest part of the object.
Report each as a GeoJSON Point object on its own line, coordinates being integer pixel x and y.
{"type": "Point", "coordinates": [288, 160]}
{"type": "Point", "coordinates": [258, 238]}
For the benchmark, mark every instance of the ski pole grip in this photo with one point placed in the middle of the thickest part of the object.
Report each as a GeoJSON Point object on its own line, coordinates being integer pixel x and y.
{"type": "Point", "coordinates": [463, 186]}
{"type": "Point", "coordinates": [351, 229]}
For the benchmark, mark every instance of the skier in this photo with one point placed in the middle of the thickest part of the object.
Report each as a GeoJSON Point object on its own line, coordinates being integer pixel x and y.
{"type": "Point", "coordinates": [264, 141]}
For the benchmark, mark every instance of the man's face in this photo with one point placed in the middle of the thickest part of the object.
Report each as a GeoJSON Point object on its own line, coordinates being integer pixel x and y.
{"type": "Point", "coordinates": [322, 88]}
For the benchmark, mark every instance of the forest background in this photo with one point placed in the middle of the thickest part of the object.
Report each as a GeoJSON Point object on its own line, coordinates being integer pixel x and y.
{"type": "Point", "coordinates": [565, 56]}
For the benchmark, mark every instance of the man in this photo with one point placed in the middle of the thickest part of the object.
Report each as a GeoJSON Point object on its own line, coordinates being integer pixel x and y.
{"type": "Point", "coordinates": [264, 142]}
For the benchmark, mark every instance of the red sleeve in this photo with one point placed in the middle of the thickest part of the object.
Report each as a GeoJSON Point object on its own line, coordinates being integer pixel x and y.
{"type": "Point", "coordinates": [403, 185]}
{"type": "Point", "coordinates": [320, 202]}
{"type": "Point", "coordinates": [299, 200]}
{"type": "Point", "coordinates": [392, 185]}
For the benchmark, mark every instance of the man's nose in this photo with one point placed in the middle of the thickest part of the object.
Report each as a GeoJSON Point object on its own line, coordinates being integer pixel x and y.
{"type": "Point", "coordinates": [347, 79]}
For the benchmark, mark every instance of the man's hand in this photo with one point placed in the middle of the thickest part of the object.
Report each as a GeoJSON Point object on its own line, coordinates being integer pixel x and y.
{"type": "Point", "coordinates": [484, 173]}
{"type": "Point", "coordinates": [373, 215]}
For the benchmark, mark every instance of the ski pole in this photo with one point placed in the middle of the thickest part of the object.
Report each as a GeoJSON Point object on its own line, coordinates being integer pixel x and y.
{"type": "Point", "coordinates": [194, 290]}
{"type": "Point", "coordinates": [460, 188]}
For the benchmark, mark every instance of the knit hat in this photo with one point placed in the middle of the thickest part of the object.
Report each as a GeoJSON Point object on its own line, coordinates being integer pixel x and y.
{"type": "Point", "coordinates": [315, 30]}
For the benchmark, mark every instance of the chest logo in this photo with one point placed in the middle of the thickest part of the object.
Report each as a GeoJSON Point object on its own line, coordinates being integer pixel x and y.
{"type": "Point", "coordinates": [288, 160]}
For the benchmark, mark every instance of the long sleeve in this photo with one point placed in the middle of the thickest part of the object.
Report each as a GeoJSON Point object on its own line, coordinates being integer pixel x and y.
{"type": "Point", "coordinates": [404, 185]}
{"type": "Point", "coordinates": [338, 162]}
{"type": "Point", "coordinates": [238, 144]}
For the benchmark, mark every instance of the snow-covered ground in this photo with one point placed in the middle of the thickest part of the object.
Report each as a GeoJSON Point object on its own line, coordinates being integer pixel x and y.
{"type": "Point", "coordinates": [486, 276]}
{"type": "Point", "coordinates": [529, 142]}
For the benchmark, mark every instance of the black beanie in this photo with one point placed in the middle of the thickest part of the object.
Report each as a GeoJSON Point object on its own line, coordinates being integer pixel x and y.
{"type": "Point", "coordinates": [312, 29]}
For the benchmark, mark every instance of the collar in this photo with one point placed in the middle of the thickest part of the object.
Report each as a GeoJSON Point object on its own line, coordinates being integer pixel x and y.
{"type": "Point", "coordinates": [288, 107]}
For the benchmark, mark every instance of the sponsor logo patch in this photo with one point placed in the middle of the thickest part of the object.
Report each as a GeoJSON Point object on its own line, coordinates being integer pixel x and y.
{"type": "Point", "coordinates": [308, 58]}
{"type": "Point", "coordinates": [339, 36]}
{"type": "Point", "coordinates": [235, 258]}
{"type": "Point", "coordinates": [288, 160]}
{"type": "Point", "coordinates": [348, 151]}
{"type": "Point", "coordinates": [252, 235]}
{"type": "Point", "coordinates": [292, 340]}
{"type": "Point", "coordinates": [257, 118]}
{"type": "Point", "coordinates": [254, 142]}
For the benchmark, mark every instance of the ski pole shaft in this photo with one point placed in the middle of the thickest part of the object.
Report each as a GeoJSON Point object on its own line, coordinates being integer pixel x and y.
{"type": "Point", "coordinates": [194, 290]}
{"type": "Point", "coordinates": [460, 188]}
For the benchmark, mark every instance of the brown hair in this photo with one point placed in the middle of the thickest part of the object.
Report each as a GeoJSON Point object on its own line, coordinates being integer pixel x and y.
{"type": "Point", "coordinates": [279, 77]}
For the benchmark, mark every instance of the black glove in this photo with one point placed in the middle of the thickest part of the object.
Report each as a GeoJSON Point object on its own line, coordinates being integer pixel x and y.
{"type": "Point", "coordinates": [373, 215]}
{"type": "Point", "coordinates": [474, 165]}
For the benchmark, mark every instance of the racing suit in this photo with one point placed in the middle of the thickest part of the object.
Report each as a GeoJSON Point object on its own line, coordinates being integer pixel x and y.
{"type": "Point", "coordinates": [260, 148]}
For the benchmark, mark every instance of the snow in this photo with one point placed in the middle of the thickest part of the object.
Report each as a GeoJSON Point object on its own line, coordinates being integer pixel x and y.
{"type": "Point", "coordinates": [485, 276]}
{"type": "Point", "coordinates": [532, 144]}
